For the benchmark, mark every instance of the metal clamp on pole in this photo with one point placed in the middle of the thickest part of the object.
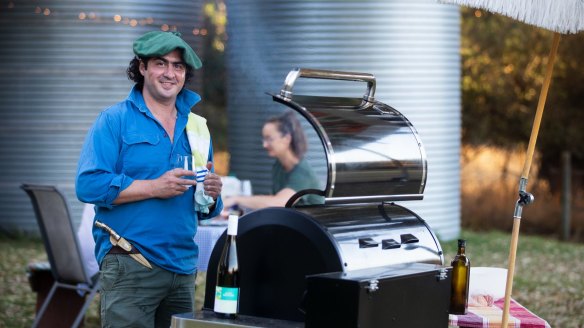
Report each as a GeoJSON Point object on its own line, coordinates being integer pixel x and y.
{"type": "Point", "coordinates": [293, 75]}
{"type": "Point", "coordinates": [525, 198]}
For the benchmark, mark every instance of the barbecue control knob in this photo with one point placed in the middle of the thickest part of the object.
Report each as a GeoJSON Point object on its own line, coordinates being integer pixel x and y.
{"type": "Point", "coordinates": [367, 242]}
{"type": "Point", "coordinates": [408, 238]}
{"type": "Point", "coordinates": [389, 244]}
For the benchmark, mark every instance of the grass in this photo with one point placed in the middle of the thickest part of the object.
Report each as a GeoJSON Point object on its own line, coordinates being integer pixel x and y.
{"type": "Point", "coordinates": [549, 276]}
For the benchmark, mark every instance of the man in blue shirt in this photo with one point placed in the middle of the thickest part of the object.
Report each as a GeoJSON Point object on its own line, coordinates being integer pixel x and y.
{"type": "Point", "coordinates": [125, 170]}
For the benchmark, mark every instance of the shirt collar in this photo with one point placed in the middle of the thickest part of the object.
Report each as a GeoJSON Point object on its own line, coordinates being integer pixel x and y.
{"type": "Point", "coordinates": [185, 100]}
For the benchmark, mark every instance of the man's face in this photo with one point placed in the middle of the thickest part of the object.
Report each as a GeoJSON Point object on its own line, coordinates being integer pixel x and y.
{"type": "Point", "coordinates": [164, 77]}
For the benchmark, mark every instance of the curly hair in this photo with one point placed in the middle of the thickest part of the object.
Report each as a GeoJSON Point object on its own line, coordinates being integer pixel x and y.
{"type": "Point", "coordinates": [288, 124]}
{"type": "Point", "coordinates": [133, 71]}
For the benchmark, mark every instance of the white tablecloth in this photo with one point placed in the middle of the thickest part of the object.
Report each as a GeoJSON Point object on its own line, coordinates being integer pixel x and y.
{"type": "Point", "coordinates": [86, 242]}
{"type": "Point", "coordinates": [206, 238]}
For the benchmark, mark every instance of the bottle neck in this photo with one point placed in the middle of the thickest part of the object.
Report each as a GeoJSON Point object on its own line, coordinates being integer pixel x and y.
{"type": "Point", "coordinates": [232, 225]}
{"type": "Point", "coordinates": [461, 250]}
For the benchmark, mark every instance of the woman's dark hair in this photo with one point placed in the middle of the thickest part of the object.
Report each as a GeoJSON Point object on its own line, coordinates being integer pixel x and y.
{"type": "Point", "coordinates": [133, 71]}
{"type": "Point", "coordinates": [287, 123]}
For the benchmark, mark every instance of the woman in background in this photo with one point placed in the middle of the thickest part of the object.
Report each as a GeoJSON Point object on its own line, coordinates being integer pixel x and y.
{"type": "Point", "coordinates": [283, 139]}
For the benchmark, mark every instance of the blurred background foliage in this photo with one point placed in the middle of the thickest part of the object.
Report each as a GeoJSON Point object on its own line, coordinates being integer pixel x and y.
{"type": "Point", "coordinates": [503, 64]}
{"type": "Point", "coordinates": [213, 105]}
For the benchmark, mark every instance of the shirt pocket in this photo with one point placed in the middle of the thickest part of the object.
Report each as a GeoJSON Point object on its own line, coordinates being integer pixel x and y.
{"type": "Point", "coordinates": [143, 155]}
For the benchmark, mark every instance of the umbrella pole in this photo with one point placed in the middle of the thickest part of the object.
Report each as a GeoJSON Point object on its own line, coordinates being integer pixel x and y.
{"type": "Point", "coordinates": [526, 198]}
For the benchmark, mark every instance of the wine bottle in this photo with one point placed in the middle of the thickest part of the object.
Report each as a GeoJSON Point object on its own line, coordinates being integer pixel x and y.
{"type": "Point", "coordinates": [460, 280]}
{"type": "Point", "coordinates": [227, 287]}
{"type": "Point", "coordinates": [235, 210]}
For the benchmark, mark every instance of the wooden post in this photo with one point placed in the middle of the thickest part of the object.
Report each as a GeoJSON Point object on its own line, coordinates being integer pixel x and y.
{"type": "Point", "coordinates": [525, 175]}
{"type": "Point", "coordinates": [566, 194]}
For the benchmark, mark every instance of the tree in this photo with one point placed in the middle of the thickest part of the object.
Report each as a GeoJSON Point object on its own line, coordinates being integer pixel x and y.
{"type": "Point", "coordinates": [214, 71]}
{"type": "Point", "coordinates": [503, 63]}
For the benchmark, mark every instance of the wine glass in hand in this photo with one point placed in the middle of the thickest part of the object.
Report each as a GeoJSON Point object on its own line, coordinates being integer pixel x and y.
{"type": "Point", "coordinates": [185, 162]}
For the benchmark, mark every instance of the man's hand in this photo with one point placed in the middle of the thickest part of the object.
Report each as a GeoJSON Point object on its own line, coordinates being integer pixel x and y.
{"type": "Point", "coordinates": [172, 184]}
{"type": "Point", "coordinates": [212, 183]}
{"type": "Point", "coordinates": [168, 185]}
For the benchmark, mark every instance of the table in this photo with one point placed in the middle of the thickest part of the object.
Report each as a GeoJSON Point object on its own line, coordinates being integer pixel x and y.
{"type": "Point", "coordinates": [207, 319]}
{"type": "Point", "coordinates": [206, 237]}
{"type": "Point", "coordinates": [86, 242]}
{"type": "Point", "coordinates": [491, 316]}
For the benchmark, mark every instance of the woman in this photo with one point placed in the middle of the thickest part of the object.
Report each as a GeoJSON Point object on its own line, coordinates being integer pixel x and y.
{"type": "Point", "coordinates": [283, 139]}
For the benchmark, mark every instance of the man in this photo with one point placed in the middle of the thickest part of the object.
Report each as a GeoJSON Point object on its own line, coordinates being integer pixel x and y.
{"type": "Point", "coordinates": [125, 170]}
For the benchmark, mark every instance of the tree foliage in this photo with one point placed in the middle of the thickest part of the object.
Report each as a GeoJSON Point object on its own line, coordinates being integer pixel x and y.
{"type": "Point", "coordinates": [214, 71]}
{"type": "Point", "coordinates": [503, 66]}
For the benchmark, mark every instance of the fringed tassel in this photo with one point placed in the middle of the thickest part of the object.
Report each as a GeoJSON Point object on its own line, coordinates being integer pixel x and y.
{"type": "Point", "coordinates": [563, 16]}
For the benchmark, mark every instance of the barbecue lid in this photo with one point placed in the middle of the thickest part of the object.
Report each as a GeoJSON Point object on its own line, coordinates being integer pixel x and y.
{"type": "Point", "coordinates": [373, 152]}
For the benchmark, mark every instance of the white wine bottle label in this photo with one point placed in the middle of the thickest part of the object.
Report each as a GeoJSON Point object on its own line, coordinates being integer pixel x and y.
{"type": "Point", "coordinates": [226, 299]}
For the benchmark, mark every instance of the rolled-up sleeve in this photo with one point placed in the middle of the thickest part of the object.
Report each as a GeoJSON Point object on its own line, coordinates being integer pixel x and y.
{"type": "Point", "coordinates": [98, 181]}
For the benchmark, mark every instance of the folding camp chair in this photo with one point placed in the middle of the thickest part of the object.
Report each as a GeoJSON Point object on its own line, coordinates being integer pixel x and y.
{"type": "Point", "coordinates": [62, 246]}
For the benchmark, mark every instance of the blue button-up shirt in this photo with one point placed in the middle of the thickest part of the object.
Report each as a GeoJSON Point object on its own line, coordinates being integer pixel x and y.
{"type": "Point", "coordinates": [127, 143]}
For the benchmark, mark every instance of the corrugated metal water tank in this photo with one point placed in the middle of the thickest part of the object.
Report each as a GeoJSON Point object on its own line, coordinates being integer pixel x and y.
{"type": "Point", "coordinates": [412, 48]}
{"type": "Point", "coordinates": [61, 63]}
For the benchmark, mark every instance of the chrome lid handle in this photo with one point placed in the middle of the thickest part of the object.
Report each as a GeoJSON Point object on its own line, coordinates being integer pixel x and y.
{"type": "Point", "coordinates": [293, 75]}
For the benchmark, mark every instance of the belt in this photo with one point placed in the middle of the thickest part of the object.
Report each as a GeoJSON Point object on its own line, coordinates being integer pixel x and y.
{"type": "Point", "coordinates": [134, 253]}
{"type": "Point", "coordinates": [119, 250]}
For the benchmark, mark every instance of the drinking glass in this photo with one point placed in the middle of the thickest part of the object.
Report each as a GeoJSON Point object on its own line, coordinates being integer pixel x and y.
{"type": "Point", "coordinates": [185, 162]}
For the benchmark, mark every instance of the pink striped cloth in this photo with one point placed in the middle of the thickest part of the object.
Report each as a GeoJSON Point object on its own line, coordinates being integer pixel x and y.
{"type": "Point", "coordinates": [491, 316]}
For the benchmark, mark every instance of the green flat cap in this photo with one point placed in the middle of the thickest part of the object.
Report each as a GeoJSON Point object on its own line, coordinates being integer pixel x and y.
{"type": "Point", "coordinates": [158, 43]}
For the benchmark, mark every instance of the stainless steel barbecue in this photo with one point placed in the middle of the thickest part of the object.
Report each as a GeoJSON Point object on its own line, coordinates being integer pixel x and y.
{"type": "Point", "coordinates": [374, 158]}
{"type": "Point", "coordinates": [373, 152]}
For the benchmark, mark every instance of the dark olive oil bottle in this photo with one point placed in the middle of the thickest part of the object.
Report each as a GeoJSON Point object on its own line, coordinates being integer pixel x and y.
{"type": "Point", "coordinates": [460, 280]}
